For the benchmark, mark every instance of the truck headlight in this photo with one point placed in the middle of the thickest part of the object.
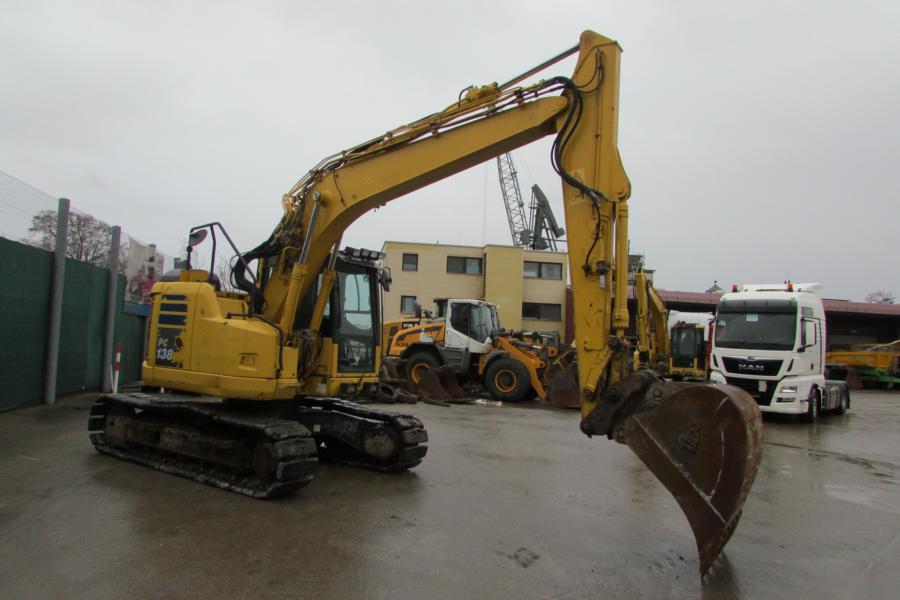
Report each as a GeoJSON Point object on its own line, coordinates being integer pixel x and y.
{"type": "Point", "coordinates": [789, 389]}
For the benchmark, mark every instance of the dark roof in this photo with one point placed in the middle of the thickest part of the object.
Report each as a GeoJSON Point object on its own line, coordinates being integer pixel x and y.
{"type": "Point", "coordinates": [688, 297]}
{"type": "Point", "coordinates": [841, 306]}
{"type": "Point", "coordinates": [845, 306]}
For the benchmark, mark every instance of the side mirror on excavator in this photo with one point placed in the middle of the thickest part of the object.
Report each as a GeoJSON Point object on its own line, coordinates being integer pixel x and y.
{"type": "Point", "coordinates": [385, 279]}
{"type": "Point", "coordinates": [196, 237]}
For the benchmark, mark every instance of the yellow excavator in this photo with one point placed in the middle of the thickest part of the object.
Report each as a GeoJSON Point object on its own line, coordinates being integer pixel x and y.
{"type": "Point", "coordinates": [240, 386]}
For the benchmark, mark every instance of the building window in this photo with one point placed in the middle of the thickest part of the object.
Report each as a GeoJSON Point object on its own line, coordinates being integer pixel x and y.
{"type": "Point", "coordinates": [408, 305]}
{"type": "Point", "coordinates": [541, 312]}
{"type": "Point", "coordinates": [542, 270]}
{"type": "Point", "coordinates": [410, 262]}
{"type": "Point", "coordinates": [464, 264]}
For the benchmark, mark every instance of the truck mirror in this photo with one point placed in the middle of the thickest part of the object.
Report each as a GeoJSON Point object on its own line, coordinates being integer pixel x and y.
{"type": "Point", "coordinates": [807, 334]}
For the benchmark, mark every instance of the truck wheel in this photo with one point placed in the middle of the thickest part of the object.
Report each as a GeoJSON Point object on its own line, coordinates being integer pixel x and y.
{"type": "Point", "coordinates": [417, 363]}
{"type": "Point", "coordinates": [507, 379]}
{"type": "Point", "coordinates": [843, 404]}
{"type": "Point", "coordinates": [812, 411]}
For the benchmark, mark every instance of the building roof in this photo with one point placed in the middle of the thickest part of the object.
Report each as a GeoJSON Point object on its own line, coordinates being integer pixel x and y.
{"type": "Point", "coordinates": [838, 306]}
{"type": "Point", "coordinates": [482, 247]}
{"type": "Point", "coordinates": [845, 306]}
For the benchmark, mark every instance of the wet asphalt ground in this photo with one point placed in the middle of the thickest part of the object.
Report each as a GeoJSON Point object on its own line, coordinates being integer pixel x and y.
{"type": "Point", "coordinates": [511, 502]}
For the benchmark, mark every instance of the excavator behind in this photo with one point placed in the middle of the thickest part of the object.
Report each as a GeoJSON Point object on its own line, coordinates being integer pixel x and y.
{"type": "Point", "coordinates": [240, 387]}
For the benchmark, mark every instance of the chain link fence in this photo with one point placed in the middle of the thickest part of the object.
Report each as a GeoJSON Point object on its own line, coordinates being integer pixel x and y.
{"type": "Point", "coordinates": [20, 204]}
{"type": "Point", "coordinates": [29, 215]}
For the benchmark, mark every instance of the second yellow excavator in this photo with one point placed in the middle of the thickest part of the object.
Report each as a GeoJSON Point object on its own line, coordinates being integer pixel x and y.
{"type": "Point", "coordinates": [250, 377]}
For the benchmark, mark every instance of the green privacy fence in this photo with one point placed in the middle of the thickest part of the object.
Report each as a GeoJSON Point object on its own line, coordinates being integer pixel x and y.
{"type": "Point", "coordinates": [25, 284]}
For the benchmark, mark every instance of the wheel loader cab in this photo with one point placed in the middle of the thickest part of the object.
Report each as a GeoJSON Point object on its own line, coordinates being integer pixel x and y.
{"type": "Point", "coordinates": [469, 324]}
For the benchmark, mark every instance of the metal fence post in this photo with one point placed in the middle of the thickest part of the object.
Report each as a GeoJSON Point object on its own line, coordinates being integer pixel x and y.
{"type": "Point", "coordinates": [109, 331]}
{"type": "Point", "coordinates": [56, 300]}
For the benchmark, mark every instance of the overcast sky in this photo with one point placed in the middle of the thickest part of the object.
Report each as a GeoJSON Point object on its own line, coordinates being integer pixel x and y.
{"type": "Point", "coordinates": [762, 139]}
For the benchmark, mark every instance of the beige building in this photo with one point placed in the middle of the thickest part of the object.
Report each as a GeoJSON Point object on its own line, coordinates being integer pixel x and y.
{"type": "Point", "coordinates": [528, 286]}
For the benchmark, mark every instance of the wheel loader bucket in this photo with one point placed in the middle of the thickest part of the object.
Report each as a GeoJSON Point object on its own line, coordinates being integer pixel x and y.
{"type": "Point", "coordinates": [562, 388]}
{"type": "Point", "coordinates": [430, 388]}
{"type": "Point", "coordinates": [447, 377]}
{"type": "Point", "coordinates": [704, 443]}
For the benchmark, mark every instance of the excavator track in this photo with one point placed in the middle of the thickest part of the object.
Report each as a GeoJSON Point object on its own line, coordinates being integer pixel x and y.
{"type": "Point", "coordinates": [234, 447]}
{"type": "Point", "coordinates": [361, 436]}
{"type": "Point", "coordinates": [253, 455]}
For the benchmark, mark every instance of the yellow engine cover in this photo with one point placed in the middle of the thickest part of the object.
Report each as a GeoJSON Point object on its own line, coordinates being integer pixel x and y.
{"type": "Point", "coordinates": [203, 342]}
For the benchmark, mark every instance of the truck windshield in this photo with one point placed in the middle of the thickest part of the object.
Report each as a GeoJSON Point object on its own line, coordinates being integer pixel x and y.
{"type": "Point", "coordinates": [756, 324]}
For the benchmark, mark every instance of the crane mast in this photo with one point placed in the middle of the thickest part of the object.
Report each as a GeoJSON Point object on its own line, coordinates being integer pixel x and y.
{"type": "Point", "coordinates": [536, 229]}
{"type": "Point", "coordinates": [519, 228]}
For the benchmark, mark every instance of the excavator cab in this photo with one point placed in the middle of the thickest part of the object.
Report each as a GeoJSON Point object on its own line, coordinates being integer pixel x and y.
{"type": "Point", "coordinates": [349, 361]}
{"type": "Point", "coordinates": [687, 354]}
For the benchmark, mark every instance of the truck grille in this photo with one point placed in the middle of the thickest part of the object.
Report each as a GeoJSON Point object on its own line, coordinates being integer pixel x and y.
{"type": "Point", "coordinates": [751, 386]}
{"type": "Point", "coordinates": [767, 367]}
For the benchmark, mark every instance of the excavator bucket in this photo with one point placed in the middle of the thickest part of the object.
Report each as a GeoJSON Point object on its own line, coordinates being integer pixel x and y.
{"type": "Point", "coordinates": [704, 443]}
{"type": "Point", "coordinates": [562, 387]}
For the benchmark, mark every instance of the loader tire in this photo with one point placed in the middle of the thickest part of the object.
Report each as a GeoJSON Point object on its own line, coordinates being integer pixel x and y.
{"type": "Point", "coordinates": [507, 379]}
{"type": "Point", "coordinates": [415, 363]}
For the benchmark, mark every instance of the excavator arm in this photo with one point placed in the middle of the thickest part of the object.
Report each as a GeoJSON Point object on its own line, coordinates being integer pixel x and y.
{"type": "Point", "coordinates": [650, 321]}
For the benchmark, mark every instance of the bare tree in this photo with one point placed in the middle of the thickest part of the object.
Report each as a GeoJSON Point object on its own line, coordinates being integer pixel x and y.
{"type": "Point", "coordinates": [880, 297]}
{"type": "Point", "coordinates": [223, 271]}
{"type": "Point", "coordinates": [89, 239]}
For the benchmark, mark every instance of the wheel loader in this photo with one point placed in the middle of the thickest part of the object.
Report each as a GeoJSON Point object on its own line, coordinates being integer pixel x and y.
{"type": "Point", "coordinates": [240, 386]}
{"type": "Point", "coordinates": [465, 338]}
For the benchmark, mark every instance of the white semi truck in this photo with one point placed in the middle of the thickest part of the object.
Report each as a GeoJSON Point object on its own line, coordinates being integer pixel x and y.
{"type": "Point", "coordinates": [769, 340]}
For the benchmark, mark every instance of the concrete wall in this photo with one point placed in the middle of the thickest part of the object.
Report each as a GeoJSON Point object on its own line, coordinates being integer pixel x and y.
{"type": "Point", "coordinates": [504, 269]}
{"type": "Point", "coordinates": [546, 291]}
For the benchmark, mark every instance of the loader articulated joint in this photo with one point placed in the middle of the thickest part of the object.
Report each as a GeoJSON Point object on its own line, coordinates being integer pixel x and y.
{"type": "Point", "coordinates": [637, 393]}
